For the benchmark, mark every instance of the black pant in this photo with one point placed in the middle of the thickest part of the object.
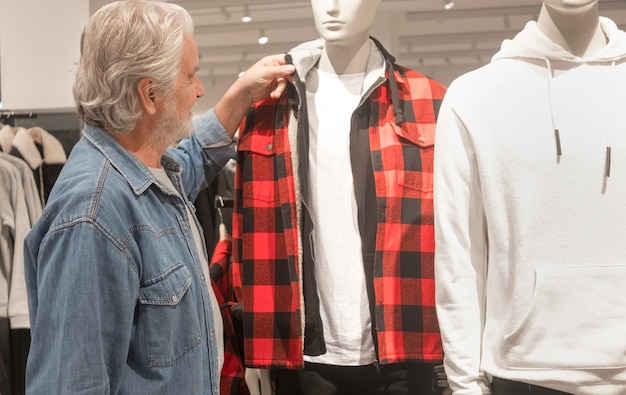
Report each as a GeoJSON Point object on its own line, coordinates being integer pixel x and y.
{"type": "Point", "coordinates": [508, 387]}
{"type": "Point", "coordinates": [319, 379]}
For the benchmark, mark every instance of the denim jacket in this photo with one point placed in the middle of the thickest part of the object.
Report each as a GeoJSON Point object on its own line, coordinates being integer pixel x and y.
{"type": "Point", "coordinates": [118, 302]}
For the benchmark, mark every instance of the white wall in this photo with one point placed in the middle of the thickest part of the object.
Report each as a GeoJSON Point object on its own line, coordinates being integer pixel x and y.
{"type": "Point", "coordinates": [39, 48]}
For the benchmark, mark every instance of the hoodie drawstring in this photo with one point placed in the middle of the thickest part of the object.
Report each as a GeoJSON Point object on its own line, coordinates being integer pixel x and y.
{"type": "Point", "coordinates": [607, 160]}
{"type": "Point", "coordinates": [557, 135]}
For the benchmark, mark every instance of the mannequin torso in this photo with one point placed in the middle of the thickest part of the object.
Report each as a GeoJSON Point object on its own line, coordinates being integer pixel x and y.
{"type": "Point", "coordinates": [564, 75]}
{"type": "Point", "coordinates": [355, 103]}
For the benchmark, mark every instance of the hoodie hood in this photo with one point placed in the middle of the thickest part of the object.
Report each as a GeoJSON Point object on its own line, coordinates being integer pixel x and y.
{"type": "Point", "coordinates": [532, 43]}
{"type": "Point", "coordinates": [306, 56]}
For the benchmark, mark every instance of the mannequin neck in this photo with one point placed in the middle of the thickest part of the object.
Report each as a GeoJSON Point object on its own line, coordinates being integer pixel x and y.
{"type": "Point", "coordinates": [345, 59]}
{"type": "Point", "coordinates": [577, 31]}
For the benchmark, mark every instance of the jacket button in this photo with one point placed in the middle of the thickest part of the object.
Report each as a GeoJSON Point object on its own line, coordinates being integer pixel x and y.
{"type": "Point", "coordinates": [175, 299]}
{"type": "Point", "coordinates": [268, 147]}
{"type": "Point", "coordinates": [421, 140]}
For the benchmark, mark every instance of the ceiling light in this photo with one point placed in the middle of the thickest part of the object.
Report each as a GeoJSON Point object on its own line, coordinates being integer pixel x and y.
{"type": "Point", "coordinates": [448, 4]}
{"type": "Point", "coordinates": [263, 39]}
{"type": "Point", "coordinates": [246, 14]}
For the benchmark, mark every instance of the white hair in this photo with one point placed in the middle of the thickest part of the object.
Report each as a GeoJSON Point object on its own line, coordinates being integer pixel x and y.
{"type": "Point", "coordinates": [122, 43]}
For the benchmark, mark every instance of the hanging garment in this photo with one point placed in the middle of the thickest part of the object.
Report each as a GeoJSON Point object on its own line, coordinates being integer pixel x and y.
{"type": "Point", "coordinates": [7, 134]}
{"type": "Point", "coordinates": [43, 153]}
{"type": "Point", "coordinates": [221, 187]}
{"type": "Point", "coordinates": [393, 132]}
{"type": "Point", "coordinates": [232, 377]}
{"type": "Point", "coordinates": [15, 224]}
{"type": "Point", "coordinates": [31, 194]}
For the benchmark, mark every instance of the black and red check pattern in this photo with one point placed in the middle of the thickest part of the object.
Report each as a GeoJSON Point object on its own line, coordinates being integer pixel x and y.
{"type": "Point", "coordinates": [232, 376]}
{"type": "Point", "coordinates": [267, 249]}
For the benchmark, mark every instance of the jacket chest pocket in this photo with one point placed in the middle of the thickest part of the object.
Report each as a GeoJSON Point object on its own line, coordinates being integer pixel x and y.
{"type": "Point", "coordinates": [407, 155]}
{"type": "Point", "coordinates": [257, 155]}
{"type": "Point", "coordinates": [169, 316]}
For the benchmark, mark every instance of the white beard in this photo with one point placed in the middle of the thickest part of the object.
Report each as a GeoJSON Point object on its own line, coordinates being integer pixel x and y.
{"type": "Point", "coordinates": [171, 128]}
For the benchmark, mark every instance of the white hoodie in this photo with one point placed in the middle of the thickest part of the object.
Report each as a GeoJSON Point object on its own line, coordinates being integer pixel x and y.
{"type": "Point", "coordinates": [531, 245]}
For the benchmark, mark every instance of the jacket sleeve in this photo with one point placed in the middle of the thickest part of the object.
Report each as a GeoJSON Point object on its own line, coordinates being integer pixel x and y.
{"type": "Point", "coordinates": [461, 254]}
{"type": "Point", "coordinates": [86, 290]}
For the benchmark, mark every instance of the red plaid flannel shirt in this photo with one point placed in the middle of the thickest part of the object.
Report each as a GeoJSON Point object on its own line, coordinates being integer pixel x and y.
{"type": "Point", "coordinates": [266, 255]}
{"type": "Point", "coordinates": [232, 380]}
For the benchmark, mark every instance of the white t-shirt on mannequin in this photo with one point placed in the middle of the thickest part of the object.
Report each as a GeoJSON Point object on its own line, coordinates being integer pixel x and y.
{"type": "Point", "coordinates": [339, 273]}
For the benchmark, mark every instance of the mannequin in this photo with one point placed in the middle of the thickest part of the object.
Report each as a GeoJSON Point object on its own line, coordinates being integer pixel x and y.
{"type": "Point", "coordinates": [525, 298]}
{"type": "Point", "coordinates": [352, 136]}
{"type": "Point", "coordinates": [574, 28]}
{"type": "Point", "coordinates": [258, 381]}
{"type": "Point", "coordinates": [344, 26]}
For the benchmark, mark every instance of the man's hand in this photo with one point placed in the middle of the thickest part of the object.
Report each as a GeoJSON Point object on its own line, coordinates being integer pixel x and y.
{"type": "Point", "coordinates": [267, 77]}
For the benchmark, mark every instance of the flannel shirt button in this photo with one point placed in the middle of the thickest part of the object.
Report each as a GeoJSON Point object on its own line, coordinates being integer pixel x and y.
{"type": "Point", "coordinates": [175, 299]}
{"type": "Point", "coordinates": [268, 147]}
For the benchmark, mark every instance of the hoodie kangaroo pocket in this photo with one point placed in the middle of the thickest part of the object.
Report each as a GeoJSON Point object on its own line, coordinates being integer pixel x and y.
{"type": "Point", "coordinates": [576, 320]}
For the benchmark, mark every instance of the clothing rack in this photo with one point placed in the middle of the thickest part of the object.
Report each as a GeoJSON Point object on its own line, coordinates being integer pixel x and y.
{"type": "Point", "coordinates": [17, 340]}
{"type": "Point", "coordinates": [9, 117]}
{"type": "Point", "coordinates": [64, 124]}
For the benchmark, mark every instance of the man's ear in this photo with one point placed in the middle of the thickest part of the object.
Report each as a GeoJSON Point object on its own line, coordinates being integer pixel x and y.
{"type": "Point", "coordinates": [146, 94]}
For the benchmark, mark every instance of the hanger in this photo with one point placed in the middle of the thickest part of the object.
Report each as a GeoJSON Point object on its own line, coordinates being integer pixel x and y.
{"type": "Point", "coordinates": [219, 207]}
{"type": "Point", "coordinates": [219, 204]}
{"type": "Point", "coordinates": [11, 116]}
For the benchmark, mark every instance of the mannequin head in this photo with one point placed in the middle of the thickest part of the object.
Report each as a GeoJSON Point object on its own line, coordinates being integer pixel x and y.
{"type": "Point", "coordinates": [344, 21]}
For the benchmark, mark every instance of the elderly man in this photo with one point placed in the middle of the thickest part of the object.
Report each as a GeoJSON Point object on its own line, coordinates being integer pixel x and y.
{"type": "Point", "coordinates": [116, 271]}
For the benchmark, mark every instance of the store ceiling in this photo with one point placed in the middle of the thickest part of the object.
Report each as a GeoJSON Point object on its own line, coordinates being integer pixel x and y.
{"type": "Point", "coordinates": [421, 34]}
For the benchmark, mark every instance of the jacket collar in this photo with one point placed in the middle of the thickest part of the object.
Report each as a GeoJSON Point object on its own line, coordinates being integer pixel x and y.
{"type": "Point", "coordinates": [306, 55]}
{"type": "Point", "coordinates": [52, 151]}
{"type": "Point", "coordinates": [132, 169]}
{"type": "Point", "coordinates": [7, 134]}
